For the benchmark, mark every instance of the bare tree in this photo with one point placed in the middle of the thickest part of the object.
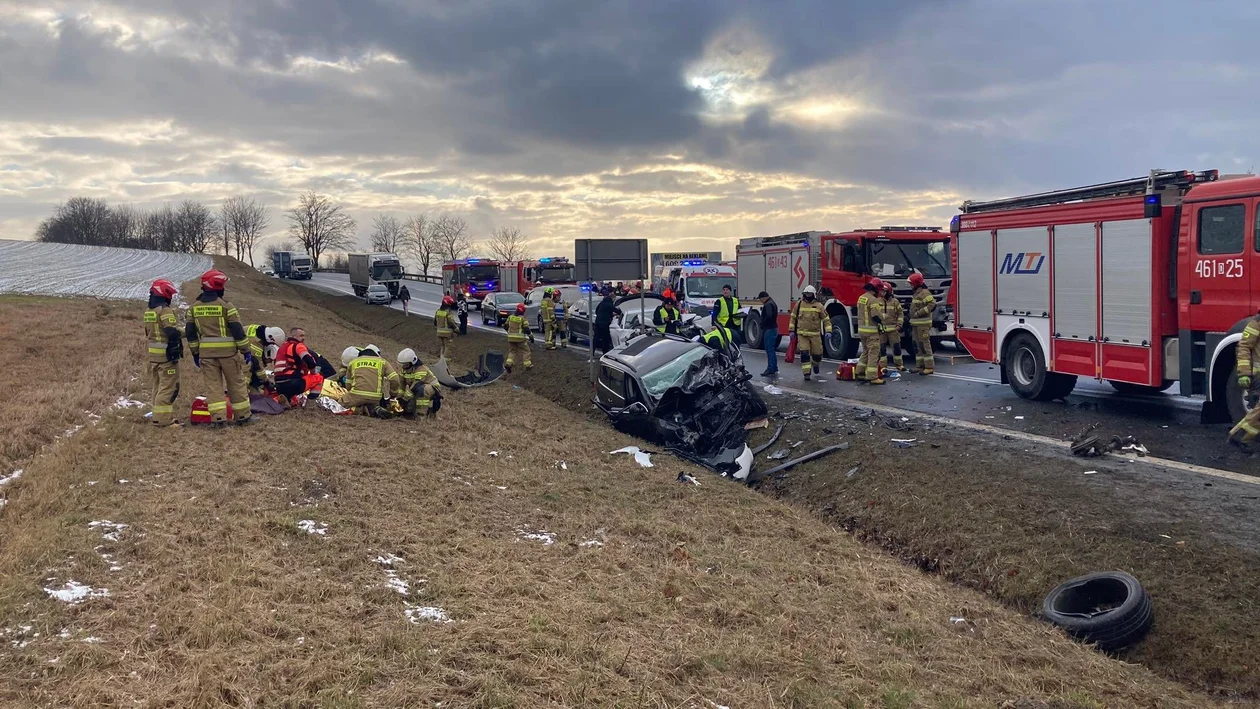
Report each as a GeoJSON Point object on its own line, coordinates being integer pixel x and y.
{"type": "Point", "coordinates": [160, 231]}
{"type": "Point", "coordinates": [270, 251]}
{"type": "Point", "coordinates": [244, 220]}
{"type": "Point", "coordinates": [195, 225]}
{"type": "Point", "coordinates": [387, 234]}
{"type": "Point", "coordinates": [81, 220]}
{"type": "Point", "coordinates": [124, 227]}
{"type": "Point", "coordinates": [421, 242]}
{"type": "Point", "coordinates": [320, 225]}
{"type": "Point", "coordinates": [508, 244]}
{"type": "Point", "coordinates": [451, 236]}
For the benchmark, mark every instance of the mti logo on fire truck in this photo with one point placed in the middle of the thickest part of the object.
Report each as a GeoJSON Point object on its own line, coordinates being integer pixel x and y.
{"type": "Point", "coordinates": [1029, 263]}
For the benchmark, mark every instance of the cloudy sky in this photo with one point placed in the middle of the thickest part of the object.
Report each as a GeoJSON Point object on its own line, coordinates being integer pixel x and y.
{"type": "Point", "coordinates": [689, 122]}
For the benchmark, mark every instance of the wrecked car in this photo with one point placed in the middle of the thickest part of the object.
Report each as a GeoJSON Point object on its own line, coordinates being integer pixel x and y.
{"type": "Point", "coordinates": [684, 396]}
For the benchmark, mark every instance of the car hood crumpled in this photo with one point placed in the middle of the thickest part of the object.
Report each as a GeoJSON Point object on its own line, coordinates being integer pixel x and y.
{"type": "Point", "coordinates": [702, 416]}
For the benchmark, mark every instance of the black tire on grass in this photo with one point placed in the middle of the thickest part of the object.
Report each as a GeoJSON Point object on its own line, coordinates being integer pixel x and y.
{"type": "Point", "coordinates": [1108, 608]}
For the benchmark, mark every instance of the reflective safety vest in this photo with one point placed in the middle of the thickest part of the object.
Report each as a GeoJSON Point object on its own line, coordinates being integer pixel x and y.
{"type": "Point", "coordinates": [893, 313]}
{"type": "Point", "coordinates": [289, 358]}
{"type": "Point", "coordinates": [214, 338]}
{"type": "Point", "coordinates": [411, 377]}
{"type": "Point", "coordinates": [717, 338]}
{"type": "Point", "coordinates": [921, 307]}
{"type": "Point", "coordinates": [442, 320]}
{"type": "Point", "coordinates": [667, 315]}
{"type": "Point", "coordinates": [727, 312]}
{"type": "Point", "coordinates": [865, 305]}
{"type": "Point", "coordinates": [546, 312]}
{"type": "Point", "coordinates": [517, 328]}
{"type": "Point", "coordinates": [369, 375]}
{"type": "Point", "coordinates": [156, 320]}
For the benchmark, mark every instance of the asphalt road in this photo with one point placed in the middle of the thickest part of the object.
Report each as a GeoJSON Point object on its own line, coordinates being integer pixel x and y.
{"type": "Point", "coordinates": [1168, 424]}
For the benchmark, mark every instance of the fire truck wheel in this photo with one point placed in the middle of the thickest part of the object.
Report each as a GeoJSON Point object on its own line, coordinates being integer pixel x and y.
{"type": "Point", "coordinates": [840, 345]}
{"type": "Point", "coordinates": [1236, 400]}
{"type": "Point", "coordinates": [752, 329]}
{"type": "Point", "coordinates": [1026, 371]}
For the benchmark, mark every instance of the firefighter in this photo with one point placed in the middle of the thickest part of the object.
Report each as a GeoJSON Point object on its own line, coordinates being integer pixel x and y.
{"type": "Point", "coordinates": [518, 333]}
{"type": "Point", "coordinates": [1248, 352]}
{"type": "Point", "coordinates": [256, 336]}
{"type": "Point", "coordinates": [420, 391]}
{"type": "Point", "coordinates": [372, 381]}
{"type": "Point", "coordinates": [561, 318]}
{"type": "Point", "coordinates": [921, 307]}
{"type": "Point", "coordinates": [166, 349]}
{"type": "Point", "coordinates": [444, 321]}
{"type": "Point", "coordinates": [666, 316]}
{"type": "Point", "coordinates": [726, 314]}
{"type": "Point", "coordinates": [870, 312]}
{"type": "Point", "coordinates": [809, 322]}
{"type": "Point", "coordinates": [548, 315]}
{"type": "Point", "coordinates": [221, 350]}
{"type": "Point", "coordinates": [893, 317]}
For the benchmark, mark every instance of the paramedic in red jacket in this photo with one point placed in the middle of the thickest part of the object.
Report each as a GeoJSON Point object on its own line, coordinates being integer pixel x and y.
{"type": "Point", "coordinates": [296, 368]}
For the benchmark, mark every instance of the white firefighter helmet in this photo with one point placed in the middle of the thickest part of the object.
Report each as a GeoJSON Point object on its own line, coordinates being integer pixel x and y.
{"type": "Point", "coordinates": [348, 355]}
{"type": "Point", "coordinates": [275, 335]}
{"type": "Point", "coordinates": [808, 289]}
{"type": "Point", "coordinates": [408, 357]}
{"type": "Point", "coordinates": [374, 350]}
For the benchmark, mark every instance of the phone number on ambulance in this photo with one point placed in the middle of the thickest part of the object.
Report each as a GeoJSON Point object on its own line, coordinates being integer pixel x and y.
{"type": "Point", "coordinates": [1227, 268]}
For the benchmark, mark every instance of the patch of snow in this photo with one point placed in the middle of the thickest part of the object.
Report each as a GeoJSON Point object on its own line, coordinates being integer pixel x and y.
{"type": "Point", "coordinates": [113, 529]}
{"type": "Point", "coordinates": [459, 479]}
{"type": "Point", "coordinates": [93, 482]}
{"type": "Point", "coordinates": [494, 454]}
{"type": "Point", "coordinates": [11, 477]}
{"type": "Point", "coordinates": [399, 585]}
{"type": "Point", "coordinates": [74, 592]}
{"type": "Point", "coordinates": [123, 481]}
{"type": "Point", "coordinates": [772, 389]}
{"type": "Point", "coordinates": [301, 640]}
{"type": "Point", "coordinates": [501, 487]}
{"type": "Point", "coordinates": [125, 403]}
{"type": "Point", "coordinates": [91, 639]}
{"type": "Point", "coordinates": [562, 465]}
{"type": "Point", "coordinates": [71, 431]}
{"type": "Point", "coordinates": [643, 458]}
{"type": "Point", "coordinates": [64, 634]}
{"type": "Point", "coordinates": [415, 614]}
{"type": "Point", "coordinates": [957, 619]}
{"type": "Point", "coordinates": [542, 535]}
{"type": "Point", "coordinates": [310, 526]}
{"type": "Point", "coordinates": [591, 543]}
{"type": "Point", "coordinates": [389, 560]}
{"type": "Point", "coordinates": [36, 268]}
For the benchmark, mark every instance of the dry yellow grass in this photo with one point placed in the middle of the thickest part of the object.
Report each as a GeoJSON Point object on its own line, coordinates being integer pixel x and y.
{"type": "Point", "coordinates": [697, 597]}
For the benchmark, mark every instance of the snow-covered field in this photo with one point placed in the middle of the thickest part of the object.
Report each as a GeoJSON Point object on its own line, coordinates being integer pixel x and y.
{"type": "Point", "coordinates": [36, 268]}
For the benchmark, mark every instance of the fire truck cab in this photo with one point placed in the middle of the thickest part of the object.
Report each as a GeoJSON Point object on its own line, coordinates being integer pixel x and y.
{"type": "Point", "coordinates": [839, 266]}
{"type": "Point", "coordinates": [521, 276]}
{"type": "Point", "coordinates": [1143, 283]}
{"type": "Point", "coordinates": [474, 277]}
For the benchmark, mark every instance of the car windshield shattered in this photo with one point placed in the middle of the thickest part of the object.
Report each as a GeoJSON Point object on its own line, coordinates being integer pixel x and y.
{"type": "Point", "coordinates": [659, 380]}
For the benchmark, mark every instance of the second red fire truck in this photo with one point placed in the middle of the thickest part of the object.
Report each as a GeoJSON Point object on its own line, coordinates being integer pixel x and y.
{"type": "Point", "coordinates": [474, 277]}
{"type": "Point", "coordinates": [521, 276]}
{"type": "Point", "coordinates": [1142, 283]}
{"type": "Point", "coordinates": [839, 265]}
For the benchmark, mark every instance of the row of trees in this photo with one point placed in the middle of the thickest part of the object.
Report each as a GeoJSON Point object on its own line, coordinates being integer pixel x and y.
{"type": "Point", "coordinates": [189, 227]}
{"type": "Point", "coordinates": [315, 223]}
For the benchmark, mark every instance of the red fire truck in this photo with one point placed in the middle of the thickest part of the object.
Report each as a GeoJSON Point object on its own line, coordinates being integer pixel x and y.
{"type": "Point", "coordinates": [474, 277]}
{"type": "Point", "coordinates": [1142, 283]}
{"type": "Point", "coordinates": [839, 265]}
{"type": "Point", "coordinates": [521, 276]}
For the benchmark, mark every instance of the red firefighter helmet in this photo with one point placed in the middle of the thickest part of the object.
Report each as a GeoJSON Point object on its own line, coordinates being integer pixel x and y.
{"type": "Point", "coordinates": [520, 308]}
{"type": "Point", "coordinates": [447, 300]}
{"type": "Point", "coordinates": [213, 280]}
{"type": "Point", "coordinates": [916, 279]}
{"type": "Point", "coordinates": [163, 289]}
{"type": "Point", "coordinates": [669, 293]}
{"type": "Point", "coordinates": [877, 284]}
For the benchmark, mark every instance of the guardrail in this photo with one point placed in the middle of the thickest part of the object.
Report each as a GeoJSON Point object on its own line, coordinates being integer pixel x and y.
{"type": "Point", "coordinates": [332, 270]}
{"type": "Point", "coordinates": [423, 278]}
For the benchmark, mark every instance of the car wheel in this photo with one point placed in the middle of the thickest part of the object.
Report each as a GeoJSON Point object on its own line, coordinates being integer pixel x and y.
{"type": "Point", "coordinates": [1109, 608]}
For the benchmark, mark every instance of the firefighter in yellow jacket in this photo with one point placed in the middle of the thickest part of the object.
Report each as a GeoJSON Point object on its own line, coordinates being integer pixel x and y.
{"type": "Point", "coordinates": [166, 348]}
{"type": "Point", "coordinates": [370, 382]}
{"type": "Point", "coordinates": [561, 324]}
{"type": "Point", "coordinates": [420, 391]}
{"type": "Point", "coordinates": [446, 323]}
{"type": "Point", "coordinates": [548, 315]}
{"type": "Point", "coordinates": [519, 337]}
{"type": "Point", "coordinates": [221, 349]}
{"type": "Point", "coordinates": [893, 318]}
{"type": "Point", "coordinates": [1247, 354]}
{"type": "Point", "coordinates": [809, 322]}
{"type": "Point", "coordinates": [921, 307]}
{"type": "Point", "coordinates": [870, 313]}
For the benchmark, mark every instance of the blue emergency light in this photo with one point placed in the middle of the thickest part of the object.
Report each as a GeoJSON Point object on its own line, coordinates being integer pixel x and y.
{"type": "Point", "coordinates": [693, 262]}
{"type": "Point", "coordinates": [1152, 205]}
{"type": "Point", "coordinates": [473, 260]}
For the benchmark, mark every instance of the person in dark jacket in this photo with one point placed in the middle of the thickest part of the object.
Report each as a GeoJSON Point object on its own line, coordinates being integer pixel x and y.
{"type": "Point", "coordinates": [461, 307]}
{"type": "Point", "coordinates": [769, 333]}
{"type": "Point", "coordinates": [405, 296]}
{"type": "Point", "coordinates": [604, 313]}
